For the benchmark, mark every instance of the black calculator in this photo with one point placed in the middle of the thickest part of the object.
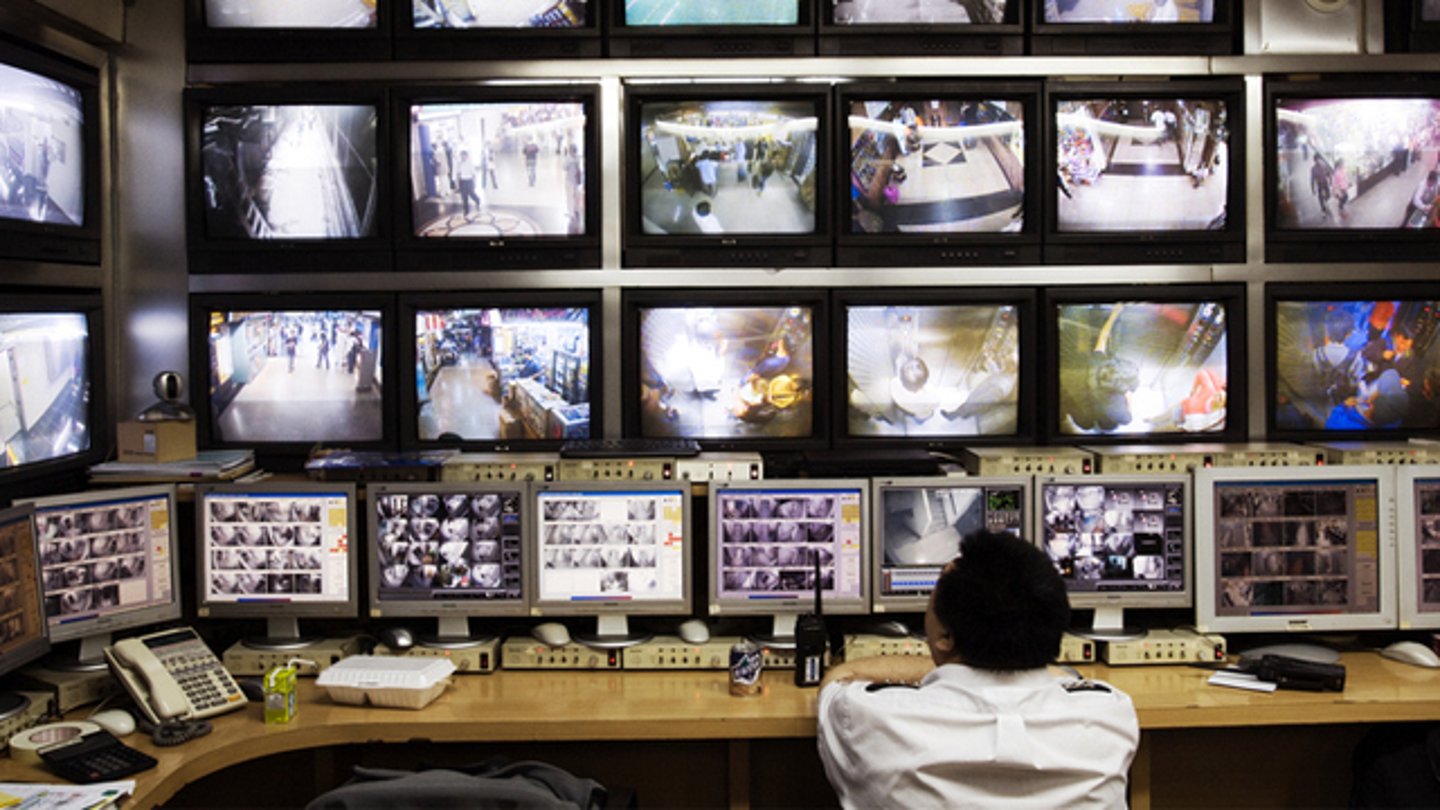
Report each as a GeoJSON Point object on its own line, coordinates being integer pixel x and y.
{"type": "Point", "coordinates": [95, 757]}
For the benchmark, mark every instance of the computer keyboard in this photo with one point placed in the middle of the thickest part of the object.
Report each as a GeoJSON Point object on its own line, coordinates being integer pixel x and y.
{"type": "Point", "coordinates": [629, 448]}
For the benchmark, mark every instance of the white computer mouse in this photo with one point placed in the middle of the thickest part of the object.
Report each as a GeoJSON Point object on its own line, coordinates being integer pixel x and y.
{"type": "Point", "coordinates": [116, 721]}
{"type": "Point", "coordinates": [552, 634]}
{"type": "Point", "coordinates": [1412, 652]}
{"type": "Point", "coordinates": [694, 631]}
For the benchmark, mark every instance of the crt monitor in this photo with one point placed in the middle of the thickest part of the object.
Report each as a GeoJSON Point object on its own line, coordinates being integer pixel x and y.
{"type": "Point", "coordinates": [611, 549]}
{"type": "Point", "coordinates": [766, 538]}
{"type": "Point", "coordinates": [497, 178]}
{"type": "Point", "coordinates": [918, 526]}
{"type": "Point", "coordinates": [1351, 170]}
{"type": "Point", "coordinates": [50, 177]}
{"type": "Point", "coordinates": [1295, 549]}
{"type": "Point", "coordinates": [52, 418]}
{"type": "Point", "coordinates": [934, 368]}
{"type": "Point", "coordinates": [1118, 542]}
{"type": "Point", "coordinates": [1146, 363]}
{"type": "Point", "coordinates": [278, 551]}
{"type": "Point", "coordinates": [733, 370]}
{"type": "Point", "coordinates": [23, 637]}
{"type": "Point", "coordinates": [727, 175]}
{"type": "Point", "coordinates": [448, 550]}
{"type": "Point", "coordinates": [1147, 27]}
{"type": "Point", "coordinates": [109, 561]}
{"type": "Point", "coordinates": [287, 179]}
{"type": "Point", "coordinates": [287, 31]}
{"type": "Point", "coordinates": [1352, 361]}
{"type": "Point", "coordinates": [1144, 172]}
{"type": "Point", "coordinates": [939, 174]}
{"type": "Point", "coordinates": [283, 373]}
{"type": "Point", "coordinates": [704, 28]}
{"type": "Point", "coordinates": [530, 29]}
{"type": "Point", "coordinates": [875, 27]}
{"type": "Point", "coordinates": [503, 370]}
{"type": "Point", "coordinates": [1417, 541]}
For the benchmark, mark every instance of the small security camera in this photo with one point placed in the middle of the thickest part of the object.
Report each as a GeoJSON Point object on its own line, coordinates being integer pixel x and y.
{"type": "Point", "coordinates": [169, 387]}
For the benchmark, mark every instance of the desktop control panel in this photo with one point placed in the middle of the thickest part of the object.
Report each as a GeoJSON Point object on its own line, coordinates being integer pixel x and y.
{"type": "Point", "coordinates": [525, 652]}
{"type": "Point", "coordinates": [241, 660]}
{"type": "Point", "coordinates": [70, 690]}
{"type": "Point", "coordinates": [1073, 649]}
{"type": "Point", "coordinates": [721, 467]}
{"type": "Point", "coordinates": [640, 468]}
{"type": "Point", "coordinates": [1180, 458]}
{"type": "Point", "coordinates": [1380, 452]}
{"type": "Point", "coordinates": [1027, 460]}
{"type": "Point", "coordinates": [482, 657]}
{"type": "Point", "coordinates": [672, 652]}
{"type": "Point", "coordinates": [500, 467]}
{"type": "Point", "coordinates": [1165, 647]}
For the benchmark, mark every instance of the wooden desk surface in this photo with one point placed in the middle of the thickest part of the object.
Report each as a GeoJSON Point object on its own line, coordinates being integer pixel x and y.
{"type": "Point", "coordinates": [613, 706]}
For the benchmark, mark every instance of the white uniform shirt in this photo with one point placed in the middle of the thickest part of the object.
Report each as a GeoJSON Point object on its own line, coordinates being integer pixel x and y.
{"type": "Point", "coordinates": [974, 738]}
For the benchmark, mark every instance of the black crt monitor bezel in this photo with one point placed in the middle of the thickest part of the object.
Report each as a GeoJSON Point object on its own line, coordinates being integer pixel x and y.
{"type": "Point", "coordinates": [411, 304]}
{"type": "Point", "coordinates": [215, 254]}
{"type": "Point", "coordinates": [1417, 34]}
{"type": "Point", "coordinates": [600, 607]}
{"type": "Point", "coordinates": [122, 619]}
{"type": "Point", "coordinates": [583, 42]}
{"type": "Point", "coordinates": [348, 609]}
{"type": "Point", "coordinates": [37, 647]}
{"type": "Point", "coordinates": [204, 43]}
{"type": "Point", "coordinates": [640, 249]}
{"type": "Point", "coordinates": [1024, 299]}
{"type": "Point", "coordinates": [948, 248]}
{"type": "Point", "coordinates": [415, 253]}
{"type": "Point", "coordinates": [65, 472]}
{"type": "Point", "coordinates": [1005, 38]}
{"type": "Point", "coordinates": [881, 603]}
{"type": "Point", "coordinates": [1233, 296]}
{"type": "Point", "coordinates": [52, 242]}
{"type": "Point", "coordinates": [1340, 244]}
{"type": "Point", "coordinates": [1219, 37]}
{"type": "Point", "coordinates": [1278, 292]}
{"type": "Point", "coordinates": [634, 301]}
{"type": "Point", "coordinates": [1149, 246]}
{"type": "Point", "coordinates": [712, 41]}
{"type": "Point", "coordinates": [288, 455]}
{"type": "Point", "coordinates": [463, 607]}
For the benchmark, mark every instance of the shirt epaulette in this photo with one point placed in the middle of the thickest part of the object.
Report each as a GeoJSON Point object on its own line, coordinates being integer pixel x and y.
{"type": "Point", "coordinates": [876, 687]}
{"type": "Point", "coordinates": [1084, 686]}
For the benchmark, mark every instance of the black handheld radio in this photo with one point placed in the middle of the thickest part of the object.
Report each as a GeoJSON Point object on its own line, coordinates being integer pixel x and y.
{"type": "Point", "coordinates": [811, 641]}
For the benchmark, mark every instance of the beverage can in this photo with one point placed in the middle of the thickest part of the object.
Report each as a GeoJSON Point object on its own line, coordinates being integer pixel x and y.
{"type": "Point", "coordinates": [746, 662]}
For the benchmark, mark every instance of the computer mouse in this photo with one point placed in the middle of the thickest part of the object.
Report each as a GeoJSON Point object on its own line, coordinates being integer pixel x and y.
{"type": "Point", "coordinates": [893, 628]}
{"type": "Point", "coordinates": [396, 639]}
{"type": "Point", "coordinates": [694, 631]}
{"type": "Point", "coordinates": [552, 634]}
{"type": "Point", "coordinates": [252, 688]}
{"type": "Point", "coordinates": [116, 721]}
{"type": "Point", "coordinates": [1412, 652]}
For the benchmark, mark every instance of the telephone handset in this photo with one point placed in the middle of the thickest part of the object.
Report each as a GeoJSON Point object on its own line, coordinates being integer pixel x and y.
{"type": "Point", "coordinates": [172, 676]}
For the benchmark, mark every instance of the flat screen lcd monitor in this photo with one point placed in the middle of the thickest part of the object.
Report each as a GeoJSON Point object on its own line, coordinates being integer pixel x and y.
{"type": "Point", "coordinates": [467, 14]}
{"type": "Point", "coordinates": [766, 539]}
{"type": "Point", "coordinates": [291, 376]}
{"type": "Point", "coordinates": [937, 166]}
{"type": "Point", "coordinates": [290, 14]}
{"type": "Point", "coordinates": [22, 614]}
{"type": "Point", "coordinates": [612, 550]}
{"type": "Point", "coordinates": [1295, 549]}
{"type": "Point", "coordinates": [726, 374]}
{"type": "Point", "coordinates": [304, 172]}
{"type": "Point", "coordinates": [46, 387]}
{"type": "Point", "coordinates": [43, 128]}
{"type": "Point", "coordinates": [1118, 542]}
{"type": "Point", "coordinates": [1418, 544]}
{"type": "Point", "coordinates": [920, 522]}
{"type": "Point", "coordinates": [936, 373]}
{"type": "Point", "coordinates": [109, 561]}
{"type": "Point", "coordinates": [1353, 172]}
{"type": "Point", "coordinates": [503, 170]}
{"type": "Point", "coordinates": [278, 552]}
{"type": "Point", "coordinates": [447, 550]}
{"type": "Point", "coordinates": [504, 376]}
{"type": "Point", "coordinates": [1146, 368]}
{"type": "Point", "coordinates": [728, 167]}
{"type": "Point", "coordinates": [1355, 365]}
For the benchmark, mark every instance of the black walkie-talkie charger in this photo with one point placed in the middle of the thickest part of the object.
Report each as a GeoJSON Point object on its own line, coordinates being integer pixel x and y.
{"type": "Point", "coordinates": [811, 641]}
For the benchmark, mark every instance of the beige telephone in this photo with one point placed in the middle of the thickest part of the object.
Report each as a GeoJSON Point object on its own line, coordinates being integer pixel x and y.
{"type": "Point", "coordinates": [172, 675]}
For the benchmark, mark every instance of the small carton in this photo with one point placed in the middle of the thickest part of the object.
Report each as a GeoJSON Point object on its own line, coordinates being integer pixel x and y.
{"type": "Point", "coordinates": [280, 694]}
{"type": "Point", "coordinates": [155, 442]}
